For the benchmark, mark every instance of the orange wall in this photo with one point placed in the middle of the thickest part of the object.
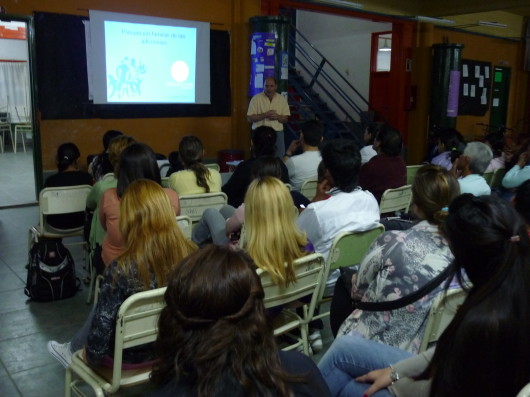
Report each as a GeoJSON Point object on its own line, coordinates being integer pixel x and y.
{"type": "Point", "coordinates": [481, 48]}
{"type": "Point", "coordinates": [163, 134]}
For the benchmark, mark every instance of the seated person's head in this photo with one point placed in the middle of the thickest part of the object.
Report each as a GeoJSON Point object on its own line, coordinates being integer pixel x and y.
{"type": "Point", "coordinates": [214, 332]}
{"type": "Point", "coordinates": [67, 155]}
{"type": "Point", "coordinates": [263, 141]}
{"type": "Point", "coordinates": [312, 132]}
{"type": "Point", "coordinates": [342, 160]}
{"type": "Point", "coordinates": [109, 136]}
{"type": "Point", "coordinates": [152, 238]}
{"type": "Point", "coordinates": [270, 222]}
{"type": "Point", "coordinates": [476, 158]}
{"type": "Point", "coordinates": [266, 166]}
{"type": "Point", "coordinates": [191, 150]}
{"type": "Point", "coordinates": [137, 161]}
{"type": "Point", "coordinates": [116, 146]}
{"type": "Point", "coordinates": [448, 140]}
{"type": "Point", "coordinates": [522, 201]}
{"type": "Point", "coordinates": [371, 132]}
{"type": "Point", "coordinates": [388, 141]}
{"type": "Point", "coordinates": [495, 141]}
{"type": "Point", "coordinates": [485, 235]}
{"type": "Point", "coordinates": [433, 189]}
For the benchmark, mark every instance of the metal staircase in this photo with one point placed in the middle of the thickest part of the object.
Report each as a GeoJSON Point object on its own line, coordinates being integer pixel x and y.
{"type": "Point", "coordinates": [317, 90]}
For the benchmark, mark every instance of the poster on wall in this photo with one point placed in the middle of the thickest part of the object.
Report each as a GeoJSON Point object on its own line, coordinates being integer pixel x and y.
{"type": "Point", "coordinates": [262, 60]}
{"type": "Point", "coordinates": [475, 88]}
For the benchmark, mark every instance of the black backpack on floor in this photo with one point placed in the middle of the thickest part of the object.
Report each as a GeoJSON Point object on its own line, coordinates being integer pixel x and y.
{"type": "Point", "coordinates": [51, 272]}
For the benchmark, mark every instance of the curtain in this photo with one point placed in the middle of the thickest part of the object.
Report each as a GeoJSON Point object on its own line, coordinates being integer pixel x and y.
{"type": "Point", "coordinates": [15, 91]}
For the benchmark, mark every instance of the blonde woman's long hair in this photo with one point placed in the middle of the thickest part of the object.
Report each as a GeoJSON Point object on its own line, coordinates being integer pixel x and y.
{"type": "Point", "coordinates": [272, 237]}
{"type": "Point", "coordinates": [152, 238]}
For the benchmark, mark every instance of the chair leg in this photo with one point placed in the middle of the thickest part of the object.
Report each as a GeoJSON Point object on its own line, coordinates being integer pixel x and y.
{"type": "Point", "coordinates": [23, 140]}
{"type": "Point", "coordinates": [68, 383]}
{"type": "Point", "coordinates": [92, 279]}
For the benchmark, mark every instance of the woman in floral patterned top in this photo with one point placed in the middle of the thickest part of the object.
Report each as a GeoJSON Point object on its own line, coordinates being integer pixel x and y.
{"type": "Point", "coordinates": [400, 262]}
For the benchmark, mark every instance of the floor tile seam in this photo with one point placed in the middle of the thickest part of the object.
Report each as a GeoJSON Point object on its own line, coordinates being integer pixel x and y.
{"type": "Point", "coordinates": [8, 374]}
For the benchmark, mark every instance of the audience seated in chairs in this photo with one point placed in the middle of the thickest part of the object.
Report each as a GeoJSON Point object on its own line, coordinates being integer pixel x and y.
{"type": "Point", "coordinates": [521, 202]}
{"type": "Point", "coordinates": [397, 264]}
{"type": "Point", "coordinates": [100, 164]}
{"type": "Point", "coordinates": [470, 166]}
{"type": "Point", "coordinates": [137, 161]}
{"type": "Point", "coordinates": [303, 166]}
{"type": "Point", "coordinates": [153, 245]}
{"type": "Point", "coordinates": [484, 351]}
{"type": "Point", "coordinates": [520, 172]}
{"type": "Point", "coordinates": [196, 178]}
{"type": "Point", "coordinates": [215, 339]}
{"type": "Point", "coordinates": [263, 143]}
{"type": "Point", "coordinates": [386, 170]}
{"type": "Point", "coordinates": [224, 225]}
{"type": "Point", "coordinates": [68, 175]}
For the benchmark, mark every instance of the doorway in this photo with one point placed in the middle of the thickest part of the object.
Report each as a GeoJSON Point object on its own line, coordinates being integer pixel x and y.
{"type": "Point", "coordinates": [380, 61]}
{"type": "Point", "coordinates": [18, 129]}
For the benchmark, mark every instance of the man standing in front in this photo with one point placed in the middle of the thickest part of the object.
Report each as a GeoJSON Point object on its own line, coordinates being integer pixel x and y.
{"type": "Point", "coordinates": [270, 109]}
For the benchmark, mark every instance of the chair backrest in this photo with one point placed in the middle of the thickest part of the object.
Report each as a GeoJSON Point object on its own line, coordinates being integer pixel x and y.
{"type": "Point", "coordinates": [163, 165]}
{"type": "Point", "coordinates": [442, 311]}
{"type": "Point", "coordinates": [136, 324]}
{"type": "Point", "coordinates": [496, 179]}
{"type": "Point", "coordinates": [309, 188]}
{"type": "Point", "coordinates": [62, 200]}
{"type": "Point", "coordinates": [213, 166]}
{"type": "Point", "coordinates": [311, 273]}
{"type": "Point", "coordinates": [394, 200]}
{"type": "Point", "coordinates": [487, 176]}
{"type": "Point", "coordinates": [349, 248]}
{"type": "Point", "coordinates": [164, 181]}
{"type": "Point", "coordinates": [411, 172]}
{"type": "Point", "coordinates": [195, 204]}
{"type": "Point", "coordinates": [289, 186]}
{"type": "Point", "coordinates": [185, 225]}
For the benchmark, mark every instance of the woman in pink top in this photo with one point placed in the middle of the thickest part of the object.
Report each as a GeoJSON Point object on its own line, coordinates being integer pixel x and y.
{"type": "Point", "coordinates": [137, 161]}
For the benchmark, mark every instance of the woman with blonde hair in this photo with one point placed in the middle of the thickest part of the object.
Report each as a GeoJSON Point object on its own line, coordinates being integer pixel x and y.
{"type": "Point", "coordinates": [153, 245]}
{"type": "Point", "coordinates": [195, 178]}
{"type": "Point", "coordinates": [271, 235]}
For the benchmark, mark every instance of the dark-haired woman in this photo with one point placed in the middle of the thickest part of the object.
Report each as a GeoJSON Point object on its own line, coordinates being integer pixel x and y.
{"type": "Point", "coordinates": [68, 175]}
{"type": "Point", "coordinates": [485, 350]}
{"type": "Point", "coordinates": [196, 178]}
{"type": "Point", "coordinates": [137, 161]}
{"type": "Point", "coordinates": [263, 143]}
{"type": "Point", "coordinates": [215, 338]}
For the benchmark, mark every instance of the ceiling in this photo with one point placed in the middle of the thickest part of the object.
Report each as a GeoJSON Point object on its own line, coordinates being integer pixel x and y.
{"type": "Point", "coordinates": [439, 8]}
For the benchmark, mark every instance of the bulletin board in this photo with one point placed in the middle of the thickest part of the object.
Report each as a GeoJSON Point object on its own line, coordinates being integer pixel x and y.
{"type": "Point", "coordinates": [475, 88]}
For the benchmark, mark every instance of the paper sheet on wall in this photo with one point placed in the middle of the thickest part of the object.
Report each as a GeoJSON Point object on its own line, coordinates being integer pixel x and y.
{"type": "Point", "coordinates": [495, 103]}
{"type": "Point", "coordinates": [258, 80]}
{"type": "Point", "coordinates": [472, 91]}
{"type": "Point", "coordinates": [487, 72]}
{"type": "Point", "coordinates": [481, 81]}
{"type": "Point", "coordinates": [465, 72]}
{"type": "Point", "coordinates": [465, 90]}
{"type": "Point", "coordinates": [484, 97]}
{"type": "Point", "coordinates": [477, 71]}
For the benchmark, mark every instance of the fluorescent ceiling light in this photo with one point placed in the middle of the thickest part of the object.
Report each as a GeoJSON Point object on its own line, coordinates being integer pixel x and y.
{"type": "Point", "coordinates": [339, 3]}
{"type": "Point", "coordinates": [492, 24]}
{"type": "Point", "coordinates": [440, 21]}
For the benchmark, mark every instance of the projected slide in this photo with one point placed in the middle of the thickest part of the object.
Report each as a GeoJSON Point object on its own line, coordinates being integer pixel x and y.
{"type": "Point", "coordinates": [150, 63]}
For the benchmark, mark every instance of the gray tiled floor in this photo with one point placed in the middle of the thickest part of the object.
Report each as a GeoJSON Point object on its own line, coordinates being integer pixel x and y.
{"type": "Point", "coordinates": [26, 368]}
{"type": "Point", "coordinates": [17, 182]}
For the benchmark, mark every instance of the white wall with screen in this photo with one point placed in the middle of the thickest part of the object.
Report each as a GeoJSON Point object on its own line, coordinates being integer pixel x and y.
{"type": "Point", "coordinates": [137, 59]}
